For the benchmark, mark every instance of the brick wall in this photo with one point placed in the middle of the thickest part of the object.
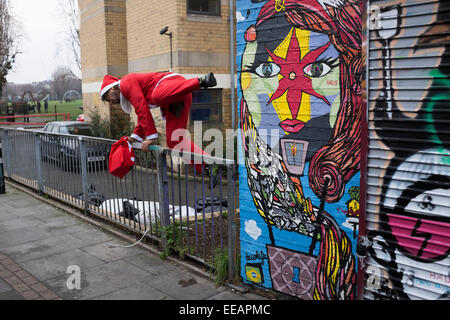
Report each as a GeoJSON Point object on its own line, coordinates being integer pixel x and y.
{"type": "Point", "coordinates": [103, 36]}
{"type": "Point", "coordinates": [200, 42]}
{"type": "Point", "coordinates": [145, 19]}
{"type": "Point", "coordinates": [206, 34]}
{"type": "Point", "coordinates": [92, 35]}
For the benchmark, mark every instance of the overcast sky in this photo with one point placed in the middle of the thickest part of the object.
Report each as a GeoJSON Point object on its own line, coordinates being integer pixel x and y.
{"type": "Point", "coordinates": [43, 44]}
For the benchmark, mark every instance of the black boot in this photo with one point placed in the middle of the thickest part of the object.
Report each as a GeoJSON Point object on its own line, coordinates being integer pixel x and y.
{"type": "Point", "coordinates": [208, 80]}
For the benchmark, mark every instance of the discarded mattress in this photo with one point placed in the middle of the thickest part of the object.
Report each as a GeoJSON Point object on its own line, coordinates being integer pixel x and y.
{"type": "Point", "coordinates": [145, 211]}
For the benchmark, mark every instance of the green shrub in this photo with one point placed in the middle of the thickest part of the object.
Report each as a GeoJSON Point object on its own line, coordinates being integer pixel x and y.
{"type": "Point", "coordinates": [109, 129]}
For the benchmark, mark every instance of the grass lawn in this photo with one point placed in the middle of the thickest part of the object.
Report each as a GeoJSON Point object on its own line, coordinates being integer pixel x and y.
{"type": "Point", "coordinates": [71, 107]}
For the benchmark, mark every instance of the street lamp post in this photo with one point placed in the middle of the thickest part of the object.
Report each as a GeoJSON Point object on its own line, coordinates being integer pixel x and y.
{"type": "Point", "coordinates": [164, 31]}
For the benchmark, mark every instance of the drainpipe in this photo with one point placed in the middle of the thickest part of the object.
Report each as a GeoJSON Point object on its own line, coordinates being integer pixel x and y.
{"type": "Point", "coordinates": [232, 64]}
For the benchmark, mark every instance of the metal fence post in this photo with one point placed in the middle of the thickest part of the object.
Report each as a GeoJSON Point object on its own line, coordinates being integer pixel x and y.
{"type": "Point", "coordinates": [84, 174]}
{"type": "Point", "coordinates": [163, 188]}
{"type": "Point", "coordinates": [5, 148]}
{"type": "Point", "coordinates": [231, 222]}
{"type": "Point", "coordinates": [39, 163]}
{"type": "Point", "coordinates": [2, 172]}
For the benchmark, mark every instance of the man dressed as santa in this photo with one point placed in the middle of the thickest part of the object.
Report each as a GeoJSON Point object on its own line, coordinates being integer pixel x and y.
{"type": "Point", "coordinates": [169, 91]}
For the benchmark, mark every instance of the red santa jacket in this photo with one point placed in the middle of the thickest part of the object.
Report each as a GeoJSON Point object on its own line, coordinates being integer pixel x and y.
{"type": "Point", "coordinates": [137, 88]}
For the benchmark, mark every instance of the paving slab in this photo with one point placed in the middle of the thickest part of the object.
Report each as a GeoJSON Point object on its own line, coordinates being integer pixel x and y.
{"type": "Point", "coordinates": [91, 234]}
{"type": "Point", "coordinates": [185, 286]}
{"type": "Point", "coordinates": [38, 211]}
{"type": "Point", "coordinates": [143, 292]}
{"type": "Point", "coordinates": [12, 197]}
{"type": "Point", "coordinates": [101, 280]}
{"type": "Point", "coordinates": [27, 203]}
{"type": "Point", "coordinates": [56, 265]}
{"type": "Point", "coordinates": [19, 223]}
{"type": "Point", "coordinates": [226, 295]}
{"type": "Point", "coordinates": [104, 252]}
{"type": "Point", "coordinates": [58, 220]}
{"type": "Point", "coordinates": [21, 236]}
{"type": "Point", "coordinates": [43, 213]}
{"type": "Point", "coordinates": [41, 248]}
{"type": "Point", "coordinates": [4, 287]}
{"type": "Point", "coordinates": [4, 215]}
{"type": "Point", "coordinates": [11, 295]}
{"type": "Point", "coordinates": [153, 264]}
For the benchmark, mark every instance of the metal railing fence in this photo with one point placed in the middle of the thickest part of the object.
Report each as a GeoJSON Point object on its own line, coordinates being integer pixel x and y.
{"type": "Point", "coordinates": [163, 196]}
{"type": "Point", "coordinates": [12, 120]}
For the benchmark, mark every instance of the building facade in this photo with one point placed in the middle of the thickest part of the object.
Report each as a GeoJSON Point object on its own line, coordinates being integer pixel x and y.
{"type": "Point", "coordinates": [120, 37]}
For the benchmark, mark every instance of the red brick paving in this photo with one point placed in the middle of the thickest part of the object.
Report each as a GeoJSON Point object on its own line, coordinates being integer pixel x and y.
{"type": "Point", "coordinates": [21, 281]}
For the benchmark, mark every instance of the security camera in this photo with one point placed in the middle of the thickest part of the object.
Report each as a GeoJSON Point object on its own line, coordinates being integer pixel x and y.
{"type": "Point", "coordinates": [164, 30]}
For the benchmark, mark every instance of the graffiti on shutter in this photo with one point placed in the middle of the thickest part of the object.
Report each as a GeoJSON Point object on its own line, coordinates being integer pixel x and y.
{"type": "Point", "coordinates": [408, 201]}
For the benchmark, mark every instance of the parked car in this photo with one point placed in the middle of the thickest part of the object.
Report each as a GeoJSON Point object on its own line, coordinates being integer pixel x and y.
{"type": "Point", "coordinates": [81, 117]}
{"type": "Point", "coordinates": [65, 151]}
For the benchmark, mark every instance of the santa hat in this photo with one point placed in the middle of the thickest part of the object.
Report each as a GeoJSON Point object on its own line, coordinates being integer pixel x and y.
{"type": "Point", "coordinates": [108, 83]}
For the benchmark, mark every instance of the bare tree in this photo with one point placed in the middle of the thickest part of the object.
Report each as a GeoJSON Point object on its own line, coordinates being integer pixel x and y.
{"type": "Point", "coordinates": [8, 41]}
{"type": "Point", "coordinates": [63, 80]}
{"type": "Point", "coordinates": [70, 11]}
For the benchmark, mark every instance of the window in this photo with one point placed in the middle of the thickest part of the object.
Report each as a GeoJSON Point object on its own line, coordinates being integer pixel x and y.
{"type": "Point", "coordinates": [207, 106]}
{"type": "Point", "coordinates": [211, 7]}
{"type": "Point", "coordinates": [77, 130]}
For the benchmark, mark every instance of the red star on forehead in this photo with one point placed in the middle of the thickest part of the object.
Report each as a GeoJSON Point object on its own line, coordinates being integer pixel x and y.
{"type": "Point", "coordinates": [294, 80]}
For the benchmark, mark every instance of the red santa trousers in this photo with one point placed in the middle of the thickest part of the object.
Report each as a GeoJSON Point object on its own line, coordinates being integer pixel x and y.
{"type": "Point", "coordinates": [171, 90]}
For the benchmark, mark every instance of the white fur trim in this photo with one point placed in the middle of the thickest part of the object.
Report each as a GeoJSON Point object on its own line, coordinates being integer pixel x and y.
{"type": "Point", "coordinates": [125, 104]}
{"type": "Point", "coordinates": [153, 136]}
{"type": "Point", "coordinates": [135, 136]}
{"type": "Point", "coordinates": [130, 147]}
{"type": "Point", "coordinates": [167, 76]}
{"type": "Point", "coordinates": [109, 86]}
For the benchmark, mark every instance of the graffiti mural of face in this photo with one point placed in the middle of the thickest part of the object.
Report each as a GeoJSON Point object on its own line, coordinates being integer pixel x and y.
{"type": "Point", "coordinates": [291, 82]}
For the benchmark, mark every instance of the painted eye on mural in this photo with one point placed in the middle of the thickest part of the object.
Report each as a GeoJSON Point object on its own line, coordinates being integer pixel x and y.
{"type": "Point", "coordinates": [267, 70]}
{"type": "Point", "coordinates": [320, 68]}
{"type": "Point", "coordinates": [317, 69]}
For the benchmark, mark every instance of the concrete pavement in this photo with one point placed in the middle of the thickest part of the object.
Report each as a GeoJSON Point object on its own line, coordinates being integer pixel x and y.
{"type": "Point", "coordinates": [47, 253]}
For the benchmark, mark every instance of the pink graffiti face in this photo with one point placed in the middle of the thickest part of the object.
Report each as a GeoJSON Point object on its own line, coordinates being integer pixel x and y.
{"type": "Point", "coordinates": [423, 236]}
{"type": "Point", "coordinates": [423, 239]}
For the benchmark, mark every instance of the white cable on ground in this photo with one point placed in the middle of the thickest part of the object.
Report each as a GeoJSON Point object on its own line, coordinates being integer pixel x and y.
{"type": "Point", "coordinates": [131, 245]}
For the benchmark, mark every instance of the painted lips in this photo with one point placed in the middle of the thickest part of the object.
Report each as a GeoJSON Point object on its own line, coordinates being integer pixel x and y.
{"type": "Point", "coordinates": [292, 125]}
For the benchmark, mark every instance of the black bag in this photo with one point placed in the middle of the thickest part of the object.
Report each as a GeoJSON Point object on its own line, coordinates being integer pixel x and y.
{"type": "Point", "coordinates": [211, 204]}
{"type": "Point", "coordinates": [93, 196]}
{"type": "Point", "coordinates": [129, 211]}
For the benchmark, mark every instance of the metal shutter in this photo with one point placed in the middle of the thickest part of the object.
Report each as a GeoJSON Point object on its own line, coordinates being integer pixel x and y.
{"type": "Point", "coordinates": [408, 173]}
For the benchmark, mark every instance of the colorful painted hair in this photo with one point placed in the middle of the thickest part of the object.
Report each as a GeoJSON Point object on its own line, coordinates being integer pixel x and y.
{"type": "Point", "coordinates": [335, 163]}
